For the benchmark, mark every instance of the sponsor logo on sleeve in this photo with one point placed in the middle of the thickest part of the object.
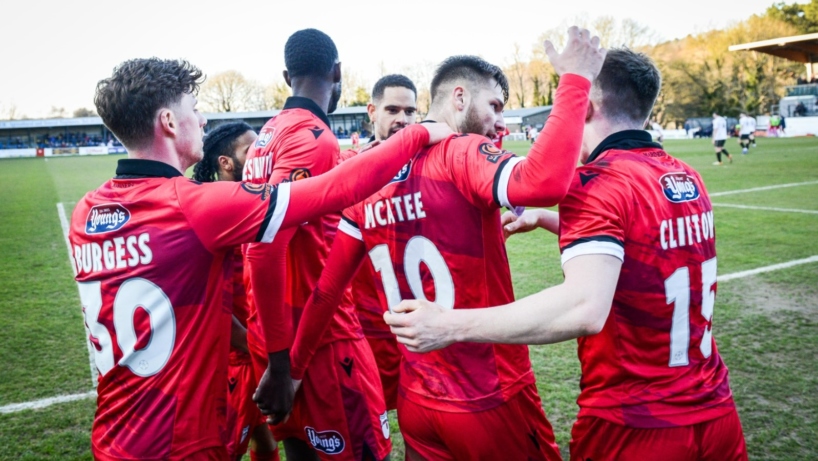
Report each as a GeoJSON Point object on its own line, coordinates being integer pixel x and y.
{"type": "Point", "coordinates": [263, 190]}
{"type": "Point", "coordinates": [299, 173]}
{"type": "Point", "coordinates": [329, 442]}
{"type": "Point", "coordinates": [265, 136]}
{"type": "Point", "coordinates": [491, 152]}
{"type": "Point", "coordinates": [679, 187]}
{"type": "Point", "coordinates": [403, 174]}
{"type": "Point", "coordinates": [106, 218]}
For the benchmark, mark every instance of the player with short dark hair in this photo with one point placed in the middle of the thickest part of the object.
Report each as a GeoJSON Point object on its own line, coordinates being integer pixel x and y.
{"type": "Point", "coordinates": [225, 151]}
{"type": "Point", "coordinates": [434, 232]}
{"type": "Point", "coordinates": [638, 251]}
{"type": "Point", "coordinates": [296, 144]}
{"type": "Point", "coordinates": [149, 246]}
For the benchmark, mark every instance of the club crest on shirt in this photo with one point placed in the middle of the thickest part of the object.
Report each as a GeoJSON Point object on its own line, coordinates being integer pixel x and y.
{"type": "Point", "coordinates": [679, 187]}
{"type": "Point", "coordinates": [107, 217]}
{"type": "Point", "coordinates": [329, 442]}
{"type": "Point", "coordinates": [491, 152]}
{"type": "Point", "coordinates": [265, 136]}
{"type": "Point", "coordinates": [403, 174]}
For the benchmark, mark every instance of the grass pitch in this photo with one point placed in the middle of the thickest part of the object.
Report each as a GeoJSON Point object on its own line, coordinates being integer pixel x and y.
{"type": "Point", "coordinates": [766, 325]}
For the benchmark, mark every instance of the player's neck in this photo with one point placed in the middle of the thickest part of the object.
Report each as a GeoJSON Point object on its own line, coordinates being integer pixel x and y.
{"type": "Point", "coordinates": [159, 152]}
{"type": "Point", "coordinates": [442, 116]}
{"type": "Point", "coordinates": [598, 130]}
{"type": "Point", "coordinates": [319, 91]}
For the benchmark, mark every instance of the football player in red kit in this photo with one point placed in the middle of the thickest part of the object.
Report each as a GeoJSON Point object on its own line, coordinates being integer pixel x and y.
{"type": "Point", "coordinates": [149, 248]}
{"type": "Point", "coordinates": [638, 248]}
{"type": "Point", "coordinates": [434, 233]}
{"type": "Point", "coordinates": [225, 152]}
{"type": "Point", "coordinates": [339, 412]}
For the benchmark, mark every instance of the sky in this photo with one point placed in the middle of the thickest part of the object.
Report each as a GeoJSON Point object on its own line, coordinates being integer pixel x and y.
{"type": "Point", "coordinates": [53, 54]}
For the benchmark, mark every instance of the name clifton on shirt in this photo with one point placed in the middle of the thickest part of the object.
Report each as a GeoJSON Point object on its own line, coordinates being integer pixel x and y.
{"type": "Point", "coordinates": [387, 211]}
{"type": "Point", "coordinates": [686, 230]}
{"type": "Point", "coordinates": [115, 253]}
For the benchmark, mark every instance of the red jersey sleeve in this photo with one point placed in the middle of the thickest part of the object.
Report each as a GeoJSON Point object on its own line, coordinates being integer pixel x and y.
{"type": "Point", "coordinates": [594, 216]}
{"type": "Point", "coordinates": [543, 178]}
{"type": "Point", "coordinates": [225, 214]}
{"type": "Point", "coordinates": [342, 265]}
{"type": "Point", "coordinates": [476, 167]}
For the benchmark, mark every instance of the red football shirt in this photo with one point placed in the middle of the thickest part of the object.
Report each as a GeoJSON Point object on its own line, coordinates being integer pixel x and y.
{"type": "Point", "coordinates": [655, 363]}
{"type": "Point", "coordinates": [434, 233]}
{"type": "Point", "coordinates": [297, 144]}
{"type": "Point", "coordinates": [149, 249]}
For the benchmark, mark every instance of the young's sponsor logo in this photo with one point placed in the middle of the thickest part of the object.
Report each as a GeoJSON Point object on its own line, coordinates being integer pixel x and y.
{"type": "Point", "coordinates": [679, 187]}
{"type": "Point", "coordinates": [265, 136]}
{"type": "Point", "coordinates": [329, 442]}
{"type": "Point", "coordinates": [403, 174]}
{"type": "Point", "coordinates": [106, 218]}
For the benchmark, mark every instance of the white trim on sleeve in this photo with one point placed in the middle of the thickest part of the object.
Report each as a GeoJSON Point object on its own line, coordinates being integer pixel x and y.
{"type": "Point", "coordinates": [282, 202]}
{"type": "Point", "coordinates": [593, 247]}
{"type": "Point", "coordinates": [505, 175]}
{"type": "Point", "coordinates": [350, 230]}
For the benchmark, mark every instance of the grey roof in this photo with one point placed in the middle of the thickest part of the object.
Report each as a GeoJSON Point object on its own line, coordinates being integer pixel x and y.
{"type": "Point", "coordinates": [526, 112]}
{"type": "Point", "coordinates": [96, 121]}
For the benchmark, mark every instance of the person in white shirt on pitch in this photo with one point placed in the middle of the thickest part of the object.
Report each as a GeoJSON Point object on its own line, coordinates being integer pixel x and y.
{"type": "Point", "coordinates": [753, 133]}
{"type": "Point", "coordinates": [746, 128]}
{"type": "Point", "coordinates": [719, 137]}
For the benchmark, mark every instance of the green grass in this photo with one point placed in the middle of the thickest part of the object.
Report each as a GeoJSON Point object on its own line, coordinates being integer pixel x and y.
{"type": "Point", "coordinates": [766, 326]}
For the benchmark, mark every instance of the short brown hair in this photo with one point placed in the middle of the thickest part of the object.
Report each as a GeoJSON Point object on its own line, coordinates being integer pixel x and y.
{"type": "Point", "coordinates": [128, 101]}
{"type": "Point", "coordinates": [470, 68]}
{"type": "Point", "coordinates": [630, 83]}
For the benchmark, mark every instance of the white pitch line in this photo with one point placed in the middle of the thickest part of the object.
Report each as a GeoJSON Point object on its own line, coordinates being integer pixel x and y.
{"type": "Point", "coordinates": [756, 189]}
{"type": "Point", "coordinates": [759, 270]}
{"type": "Point", "coordinates": [765, 208]}
{"type": "Point", "coordinates": [37, 404]}
{"type": "Point", "coordinates": [64, 223]}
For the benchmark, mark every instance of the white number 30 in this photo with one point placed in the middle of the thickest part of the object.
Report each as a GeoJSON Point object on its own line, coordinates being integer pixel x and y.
{"type": "Point", "coordinates": [133, 294]}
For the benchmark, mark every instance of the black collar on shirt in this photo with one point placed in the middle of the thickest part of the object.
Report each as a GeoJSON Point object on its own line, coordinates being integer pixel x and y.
{"type": "Point", "coordinates": [624, 140]}
{"type": "Point", "coordinates": [128, 168]}
{"type": "Point", "coordinates": [299, 102]}
{"type": "Point", "coordinates": [372, 138]}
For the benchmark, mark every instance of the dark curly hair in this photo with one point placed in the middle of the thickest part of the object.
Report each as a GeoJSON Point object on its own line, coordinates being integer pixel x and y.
{"type": "Point", "coordinates": [129, 99]}
{"type": "Point", "coordinates": [629, 82]}
{"type": "Point", "coordinates": [389, 81]}
{"type": "Point", "coordinates": [470, 68]}
{"type": "Point", "coordinates": [220, 141]}
{"type": "Point", "coordinates": [310, 53]}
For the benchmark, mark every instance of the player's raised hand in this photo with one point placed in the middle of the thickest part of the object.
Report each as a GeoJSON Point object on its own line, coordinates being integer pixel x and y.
{"type": "Point", "coordinates": [276, 390]}
{"type": "Point", "coordinates": [437, 131]}
{"type": "Point", "coordinates": [582, 54]}
{"type": "Point", "coordinates": [419, 325]}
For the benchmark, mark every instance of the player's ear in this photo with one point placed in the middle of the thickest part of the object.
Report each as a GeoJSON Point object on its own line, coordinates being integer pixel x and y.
{"type": "Point", "coordinates": [370, 110]}
{"type": "Point", "coordinates": [459, 98]}
{"type": "Point", "coordinates": [166, 121]}
{"type": "Point", "coordinates": [225, 163]}
{"type": "Point", "coordinates": [336, 72]}
{"type": "Point", "coordinates": [287, 78]}
{"type": "Point", "coordinates": [590, 113]}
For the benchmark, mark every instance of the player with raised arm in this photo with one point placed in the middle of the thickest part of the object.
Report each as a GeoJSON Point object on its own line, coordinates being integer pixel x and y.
{"type": "Point", "coordinates": [434, 232]}
{"type": "Point", "coordinates": [638, 248]}
{"type": "Point", "coordinates": [339, 412]}
{"type": "Point", "coordinates": [225, 152]}
{"type": "Point", "coordinates": [149, 248]}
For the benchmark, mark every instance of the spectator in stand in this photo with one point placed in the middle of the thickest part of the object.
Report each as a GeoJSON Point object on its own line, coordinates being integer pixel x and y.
{"type": "Point", "coordinates": [800, 109]}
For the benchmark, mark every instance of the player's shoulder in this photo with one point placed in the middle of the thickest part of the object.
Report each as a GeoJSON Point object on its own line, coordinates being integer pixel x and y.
{"type": "Point", "coordinates": [469, 146]}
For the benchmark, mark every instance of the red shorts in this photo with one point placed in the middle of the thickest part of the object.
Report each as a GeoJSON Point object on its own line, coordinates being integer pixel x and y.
{"type": "Point", "coordinates": [718, 439]}
{"type": "Point", "coordinates": [387, 356]}
{"type": "Point", "coordinates": [243, 414]}
{"type": "Point", "coordinates": [517, 429]}
{"type": "Point", "coordinates": [339, 408]}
